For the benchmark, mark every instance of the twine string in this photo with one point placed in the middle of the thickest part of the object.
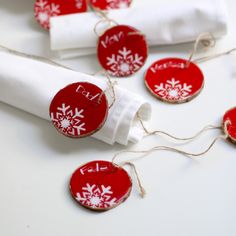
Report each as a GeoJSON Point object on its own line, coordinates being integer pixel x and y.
{"type": "Point", "coordinates": [166, 148]}
{"type": "Point", "coordinates": [109, 21]}
{"type": "Point", "coordinates": [34, 57]}
{"type": "Point", "coordinates": [110, 89]}
{"type": "Point", "coordinates": [206, 39]}
{"type": "Point", "coordinates": [211, 57]}
{"type": "Point", "coordinates": [161, 148]}
{"type": "Point", "coordinates": [159, 132]}
{"type": "Point", "coordinates": [104, 19]}
{"type": "Point", "coordinates": [140, 186]}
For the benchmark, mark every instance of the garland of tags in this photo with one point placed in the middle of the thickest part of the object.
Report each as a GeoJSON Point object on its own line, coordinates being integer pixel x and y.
{"type": "Point", "coordinates": [96, 185]}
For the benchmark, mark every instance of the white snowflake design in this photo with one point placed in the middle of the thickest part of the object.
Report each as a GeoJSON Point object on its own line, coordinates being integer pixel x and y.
{"type": "Point", "coordinates": [173, 90]}
{"type": "Point", "coordinates": [96, 197]}
{"type": "Point", "coordinates": [124, 63]}
{"type": "Point", "coordinates": [68, 121]}
{"type": "Point", "coordinates": [118, 4]}
{"type": "Point", "coordinates": [44, 10]}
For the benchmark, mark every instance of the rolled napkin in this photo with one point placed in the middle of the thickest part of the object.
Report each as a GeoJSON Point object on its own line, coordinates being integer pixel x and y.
{"type": "Point", "coordinates": [32, 84]}
{"type": "Point", "coordinates": [167, 23]}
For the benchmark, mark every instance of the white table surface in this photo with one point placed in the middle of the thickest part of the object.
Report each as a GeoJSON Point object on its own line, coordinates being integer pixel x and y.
{"type": "Point", "coordinates": [184, 197]}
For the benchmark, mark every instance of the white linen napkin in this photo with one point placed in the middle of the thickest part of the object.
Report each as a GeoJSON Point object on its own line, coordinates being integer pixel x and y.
{"type": "Point", "coordinates": [167, 23]}
{"type": "Point", "coordinates": [30, 85]}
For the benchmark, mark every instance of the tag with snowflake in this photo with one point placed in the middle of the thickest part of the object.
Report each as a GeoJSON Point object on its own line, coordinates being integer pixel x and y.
{"type": "Point", "coordinates": [45, 9]}
{"type": "Point", "coordinates": [100, 185]}
{"type": "Point", "coordinates": [110, 4]}
{"type": "Point", "coordinates": [229, 124]}
{"type": "Point", "coordinates": [73, 109]}
{"type": "Point", "coordinates": [173, 80]}
{"type": "Point", "coordinates": [122, 51]}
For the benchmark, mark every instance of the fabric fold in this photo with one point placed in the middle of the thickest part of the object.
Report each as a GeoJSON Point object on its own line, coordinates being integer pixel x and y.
{"type": "Point", "coordinates": [30, 85]}
{"type": "Point", "coordinates": [163, 24]}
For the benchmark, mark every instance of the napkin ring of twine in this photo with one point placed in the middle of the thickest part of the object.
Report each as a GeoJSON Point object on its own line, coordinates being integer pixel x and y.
{"type": "Point", "coordinates": [106, 19]}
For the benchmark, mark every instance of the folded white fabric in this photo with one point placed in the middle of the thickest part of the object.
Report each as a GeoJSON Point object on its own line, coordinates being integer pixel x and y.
{"type": "Point", "coordinates": [167, 23]}
{"type": "Point", "coordinates": [30, 85]}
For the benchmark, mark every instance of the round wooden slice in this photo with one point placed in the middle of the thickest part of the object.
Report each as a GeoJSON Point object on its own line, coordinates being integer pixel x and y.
{"type": "Point", "coordinates": [122, 51]}
{"type": "Point", "coordinates": [100, 185]}
{"type": "Point", "coordinates": [79, 110]}
{"type": "Point", "coordinates": [45, 9]}
{"type": "Point", "coordinates": [110, 4]}
{"type": "Point", "coordinates": [229, 124]}
{"type": "Point", "coordinates": [173, 81]}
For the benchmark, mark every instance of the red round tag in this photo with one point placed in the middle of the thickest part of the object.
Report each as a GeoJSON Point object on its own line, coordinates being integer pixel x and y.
{"type": "Point", "coordinates": [229, 124]}
{"type": "Point", "coordinates": [79, 110]}
{"type": "Point", "coordinates": [110, 4]}
{"type": "Point", "coordinates": [100, 185]}
{"type": "Point", "coordinates": [44, 9]}
{"type": "Point", "coordinates": [171, 80]}
{"type": "Point", "coordinates": [122, 51]}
